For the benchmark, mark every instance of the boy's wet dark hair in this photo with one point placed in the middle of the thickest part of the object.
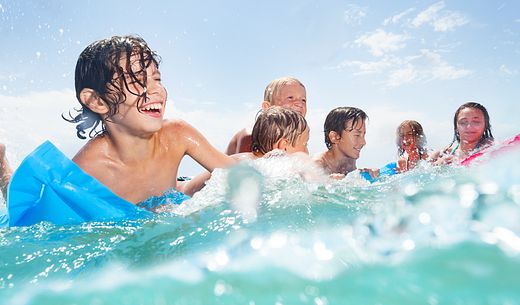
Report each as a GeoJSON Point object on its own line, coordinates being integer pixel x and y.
{"type": "Point", "coordinates": [273, 124]}
{"type": "Point", "coordinates": [487, 137]}
{"type": "Point", "coordinates": [105, 66]}
{"type": "Point", "coordinates": [338, 118]}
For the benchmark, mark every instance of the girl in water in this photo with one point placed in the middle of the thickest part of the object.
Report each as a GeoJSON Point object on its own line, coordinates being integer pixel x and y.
{"type": "Point", "coordinates": [471, 133]}
{"type": "Point", "coordinates": [411, 142]}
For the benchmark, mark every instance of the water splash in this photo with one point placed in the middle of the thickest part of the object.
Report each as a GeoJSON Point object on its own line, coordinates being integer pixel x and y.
{"type": "Point", "coordinates": [429, 236]}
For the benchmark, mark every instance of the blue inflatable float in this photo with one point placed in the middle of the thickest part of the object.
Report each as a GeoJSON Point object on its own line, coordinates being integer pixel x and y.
{"type": "Point", "coordinates": [388, 170]}
{"type": "Point", "coordinates": [48, 186]}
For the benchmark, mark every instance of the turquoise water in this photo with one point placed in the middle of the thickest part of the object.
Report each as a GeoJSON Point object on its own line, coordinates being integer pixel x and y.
{"type": "Point", "coordinates": [272, 232]}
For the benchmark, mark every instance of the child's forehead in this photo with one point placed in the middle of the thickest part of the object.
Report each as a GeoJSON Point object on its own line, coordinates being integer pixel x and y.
{"type": "Point", "coordinates": [470, 113]}
{"type": "Point", "coordinates": [406, 128]}
{"type": "Point", "coordinates": [289, 87]}
{"type": "Point", "coordinates": [136, 62]}
{"type": "Point", "coordinates": [293, 84]}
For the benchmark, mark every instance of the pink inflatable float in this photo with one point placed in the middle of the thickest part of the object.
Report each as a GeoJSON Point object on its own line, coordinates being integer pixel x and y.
{"type": "Point", "coordinates": [492, 151]}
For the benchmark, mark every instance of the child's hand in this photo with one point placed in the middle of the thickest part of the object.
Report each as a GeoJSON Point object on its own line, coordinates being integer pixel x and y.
{"type": "Point", "coordinates": [443, 160]}
{"type": "Point", "coordinates": [374, 172]}
{"type": "Point", "coordinates": [402, 165]}
{"type": "Point", "coordinates": [337, 176]}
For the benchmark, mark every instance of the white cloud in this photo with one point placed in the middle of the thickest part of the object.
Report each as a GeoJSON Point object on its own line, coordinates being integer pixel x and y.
{"type": "Point", "coordinates": [426, 66]}
{"type": "Point", "coordinates": [449, 22]}
{"type": "Point", "coordinates": [441, 70]}
{"type": "Point", "coordinates": [441, 21]}
{"type": "Point", "coordinates": [402, 76]}
{"type": "Point", "coordinates": [369, 67]}
{"type": "Point", "coordinates": [396, 18]}
{"type": "Point", "coordinates": [447, 72]}
{"type": "Point", "coordinates": [507, 71]}
{"type": "Point", "coordinates": [381, 42]}
{"type": "Point", "coordinates": [354, 14]}
{"type": "Point", "coordinates": [428, 15]}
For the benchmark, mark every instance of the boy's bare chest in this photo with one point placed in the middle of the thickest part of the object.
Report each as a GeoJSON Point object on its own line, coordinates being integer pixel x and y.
{"type": "Point", "coordinates": [138, 182]}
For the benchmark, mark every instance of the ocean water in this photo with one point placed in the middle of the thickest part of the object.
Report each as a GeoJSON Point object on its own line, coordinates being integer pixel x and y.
{"type": "Point", "coordinates": [273, 232]}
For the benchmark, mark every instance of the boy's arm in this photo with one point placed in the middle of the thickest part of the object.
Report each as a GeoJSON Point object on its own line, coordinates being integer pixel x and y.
{"type": "Point", "coordinates": [198, 147]}
{"type": "Point", "coordinates": [196, 184]}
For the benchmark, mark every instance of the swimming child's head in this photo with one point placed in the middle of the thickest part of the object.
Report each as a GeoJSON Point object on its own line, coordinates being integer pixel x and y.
{"type": "Point", "coordinates": [410, 136]}
{"type": "Point", "coordinates": [287, 92]}
{"type": "Point", "coordinates": [282, 128]}
{"type": "Point", "coordinates": [108, 72]}
{"type": "Point", "coordinates": [345, 128]}
{"type": "Point", "coordinates": [471, 123]}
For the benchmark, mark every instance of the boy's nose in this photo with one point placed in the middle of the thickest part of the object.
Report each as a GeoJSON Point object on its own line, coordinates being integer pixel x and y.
{"type": "Point", "coordinates": [156, 88]}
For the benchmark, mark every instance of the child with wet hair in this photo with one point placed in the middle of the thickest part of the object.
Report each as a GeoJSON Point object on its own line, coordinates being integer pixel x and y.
{"type": "Point", "coordinates": [278, 128]}
{"type": "Point", "coordinates": [286, 92]}
{"type": "Point", "coordinates": [344, 130]}
{"type": "Point", "coordinates": [411, 145]}
{"type": "Point", "coordinates": [133, 151]}
{"type": "Point", "coordinates": [471, 134]}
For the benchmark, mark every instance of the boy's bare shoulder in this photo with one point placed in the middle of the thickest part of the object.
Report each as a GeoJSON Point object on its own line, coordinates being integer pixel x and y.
{"type": "Point", "coordinates": [244, 132]}
{"type": "Point", "coordinates": [177, 128]}
{"type": "Point", "coordinates": [181, 133]}
{"type": "Point", "coordinates": [175, 124]}
{"type": "Point", "coordinates": [91, 157]}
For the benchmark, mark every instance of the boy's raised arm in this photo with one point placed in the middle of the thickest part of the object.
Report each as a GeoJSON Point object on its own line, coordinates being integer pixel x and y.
{"type": "Point", "coordinates": [198, 148]}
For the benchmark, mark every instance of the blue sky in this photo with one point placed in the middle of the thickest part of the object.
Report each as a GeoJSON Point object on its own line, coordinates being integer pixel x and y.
{"type": "Point", "coordinates": [395, 59]}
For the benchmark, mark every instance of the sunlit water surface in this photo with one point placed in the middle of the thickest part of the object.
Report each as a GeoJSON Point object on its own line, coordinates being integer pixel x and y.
{"type": "Point", "coordinates": [271, 232]}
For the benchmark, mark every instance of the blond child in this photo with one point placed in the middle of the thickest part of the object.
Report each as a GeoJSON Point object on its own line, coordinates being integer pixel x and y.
{"type": "Point", "coordinates": [287, 92]}
{"type": "Point", "coordinates": [279, 128]}
{"type": "Point", "coordinates": [276, 129]}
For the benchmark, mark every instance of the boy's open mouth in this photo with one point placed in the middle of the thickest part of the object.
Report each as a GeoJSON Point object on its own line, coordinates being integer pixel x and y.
{"type": "Point", "coordinates": [154, 108]}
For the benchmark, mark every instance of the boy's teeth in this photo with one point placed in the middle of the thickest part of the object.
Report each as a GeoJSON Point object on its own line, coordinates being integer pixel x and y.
{"type": "Point", "coordinates": [153, 107]}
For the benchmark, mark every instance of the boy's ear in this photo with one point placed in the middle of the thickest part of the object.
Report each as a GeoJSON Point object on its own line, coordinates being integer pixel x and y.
{"type": "Point", "coordinates": [334, 137]}
{"type": "Point", "coordinates": [89, 98]}
{"type": "Point", "coordinates": [266, 105]}
{"type": "Point", "coordinates": [281, 144]}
